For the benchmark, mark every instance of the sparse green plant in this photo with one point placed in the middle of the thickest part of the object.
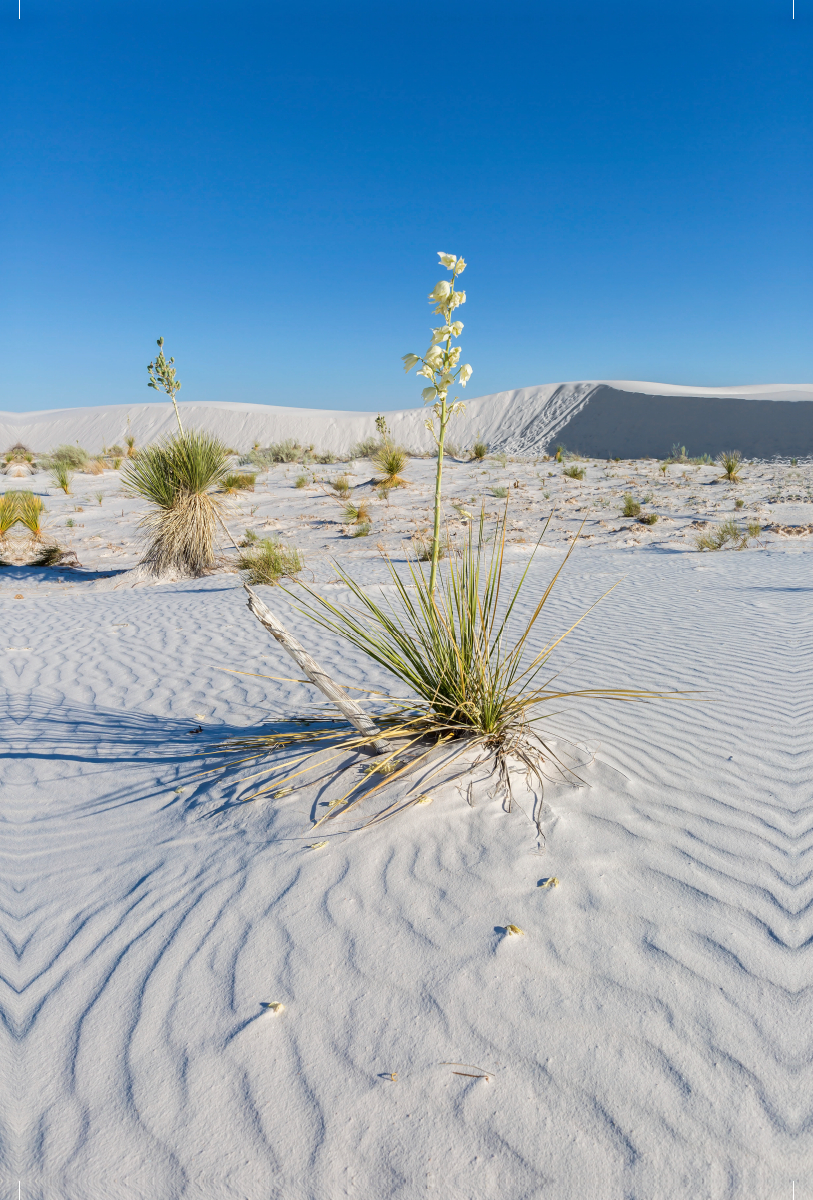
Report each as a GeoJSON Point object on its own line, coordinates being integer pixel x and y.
{"type": "Point", "coordinates": [361, 530]}
{"type": "Point", "coordinates": [357, 514]}
{"type": "Point", "coordinates": [267, 561]}
{"type": "Point", "coordinates": [479, 450]}
{"type": "Point", "coordinates": [574, 472]}
{"type": "Point", "coordinates": [341, 486]}
{"type": "Point", "coordinates": [70, 523]}
{"type": "Point", "coordinates": [739, 503]}
{"type": "Point", "coordinates": [631, 507]}
{"type": "Point", "coordinates": [499, 492]}
{"type": "Point", "coordinates": [250, 538]}
{"type": "Point", "coordinates": [723, 535]}
{"type": "Point", "coordinates": [794, 462]}
{"type": "Point", "coordinates": [179, 477]}
{"type": "Point", "coordinates": [162, 378]}
{"type": "Point", "coordinates": [730, 461]}
{"type": "Point", "coordinates": [327, 456]}
{"type": "Point", "coordinates": [130, 442]}
{"type": "Point", "coordinates": [99, 497]}
{"type": "Point", "coordinates": [239, 481]}
{"type": "Point", "coordinates": [664, 467]}
{"type": "Point", "coordinates": [70, 456]}
{"type": "Point", "coordinates": [302, 481]}
{"type": "Point", "coordinates": [648, 518]}
{"type": "Point", "coordinates": [390, 460]}
{"type": "Point", "coordinates": [62, 476]}
{"type": "Point", "coordinates": [117, 463]}
{"type": "Point", "coordinates": [382, 427]}
{"type": "Point", "coordinates": [366, 448]}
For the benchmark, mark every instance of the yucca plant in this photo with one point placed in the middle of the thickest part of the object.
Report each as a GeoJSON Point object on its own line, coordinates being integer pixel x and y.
{"type": "Point", "coordinates": [730, 461]}
{"type": "Point", "coordinates": [357, 514]}
{"type": "Point", "coordinates": [479, 450]}
{"type": "Point", "coordinates": [268, 561]}
{"type": "Point", "coordinates": [9, 515]}
{"type": "Point", "coordinates": [574, 472]}
{"type": "Point", "coordinates": [29, 512]}
{"type": "Point", "coordinates": [470, 686]}
{"type": "Point", "coordinates": [62, 476]}
{"type": "Point", "coordinates": [179, 478]}
{"type": "Point", "coordinates": [724, 534]}
{"type": "Point", "coordinates": [390, 460]}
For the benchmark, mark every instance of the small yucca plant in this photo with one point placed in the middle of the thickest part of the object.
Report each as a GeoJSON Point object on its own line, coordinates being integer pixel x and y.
{"type": "Point", "coordinates": [29, 512]}
{"type": "Point", "coordinates": [9, 515]}
{"type": "Point", "coordinates": [479, 450]}
{"type": "Point", "coordinates": [357, 514]}
{"type": "Point", "coordinates": [390, 460]}
{"type": "Point", "coordinates": [62, 476]}
{"type": "Point", "coordinates": [574, 472]}
{"type": "Point", "coordinates": [725, 534]}
{"type": "Point", "coordinates": [730, 461]}
{"type": "Point", "coordinates": [179, 478]}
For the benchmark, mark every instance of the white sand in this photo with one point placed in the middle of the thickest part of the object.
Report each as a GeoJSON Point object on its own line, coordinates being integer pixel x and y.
{"type": "Point", "coordinates": [647, 1037]}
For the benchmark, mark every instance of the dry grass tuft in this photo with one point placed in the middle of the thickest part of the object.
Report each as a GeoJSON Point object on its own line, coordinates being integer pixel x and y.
{"type": "Point", "coordinates": [239, 481]}
{"type": "Point", "coordinates": [358, 514]}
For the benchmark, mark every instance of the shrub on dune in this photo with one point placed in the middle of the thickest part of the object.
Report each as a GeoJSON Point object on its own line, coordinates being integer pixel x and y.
{"type": "Point", "coordinates": [179, 478]}
{"type": "Point", "coordinates": [268, 561]}
{"type": "Point", "coordinates": [631, 507]}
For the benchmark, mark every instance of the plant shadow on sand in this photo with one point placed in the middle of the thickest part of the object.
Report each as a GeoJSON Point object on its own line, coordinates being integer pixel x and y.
{"type": "Point", "coordinates": [173, 753]}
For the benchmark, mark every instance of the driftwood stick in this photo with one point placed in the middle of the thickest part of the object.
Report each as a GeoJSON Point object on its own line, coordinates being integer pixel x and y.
{"type": "Point", "coordinates": [354, 713]}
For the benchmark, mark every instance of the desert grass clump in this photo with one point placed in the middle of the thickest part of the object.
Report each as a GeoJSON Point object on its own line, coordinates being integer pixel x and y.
{"type": "Point", "coordinates": [179, 477]}
{"type": "Point", "coordinates": [574, 472]}
{"type": "Point", "coordinates": [302, 481]}
{"type": "Point", "coordinates": [648, 518]}
{"type": "Point", "coordinates": [269, 560]}
{"type": "Point", "coordinates": [51, 555]}
{"type": "Point", "coordinates": [726, 534]}
{"type": "Point", "coordinates": [72, 456]}
{"type": "Point", "coordinates": [363, 529]}
{"type": "Point", "coordinates": [479, 450]}
{"type": "Point", "coordinates": [730, 461]}
{"type": "Point", "coordinates": [390, 460]}
{"type": "Point", "coordinates": [739, 503]}
{"type": "Point", "coordinates": [239, 481]}
{"type": "Point", "coordinates": [366, 448]}
{"type": "Point", "coordinates": [341, 486]}
{"type": "Point", "coordinates": [631, 507]}
{"type": "Point", "coordinates": [500, 492]}
{"type": "Point", "coordinates": [62, 476]}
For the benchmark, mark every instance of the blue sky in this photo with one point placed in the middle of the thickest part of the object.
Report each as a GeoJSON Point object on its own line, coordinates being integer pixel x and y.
{"type": "Point", "coordinates": [266, 186]}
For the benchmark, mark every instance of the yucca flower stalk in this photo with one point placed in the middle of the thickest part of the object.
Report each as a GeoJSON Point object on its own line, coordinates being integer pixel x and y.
{"type": "Point", "coordinates": [441, 365]}
{"type": "Point", "coordinates": [162, 378]}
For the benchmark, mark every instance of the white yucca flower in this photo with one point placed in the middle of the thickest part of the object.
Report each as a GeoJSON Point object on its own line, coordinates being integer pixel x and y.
{"type": "Point", "coordinates": [409, 360]}
{"type": "Point", "coordinates": [465, 374]}
{"type": "Point", "coordinates": [448, 260]}
{"type": "Point", "coordinates": [456, 328]}
{"type": "Point", "coordinates": [429, 394]}
{"type": "Point", "coordinates": [441, 291]}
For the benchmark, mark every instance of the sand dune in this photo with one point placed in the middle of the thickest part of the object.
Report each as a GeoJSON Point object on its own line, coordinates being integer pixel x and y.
{"type": "Point", "coordinates": [650, 1034]}
{"type": "Point", "coordinates": [624, 419]}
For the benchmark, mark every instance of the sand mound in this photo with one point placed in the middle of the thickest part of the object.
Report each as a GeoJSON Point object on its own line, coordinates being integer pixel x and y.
{"type": "Point", "coordinates": [622, 419]}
